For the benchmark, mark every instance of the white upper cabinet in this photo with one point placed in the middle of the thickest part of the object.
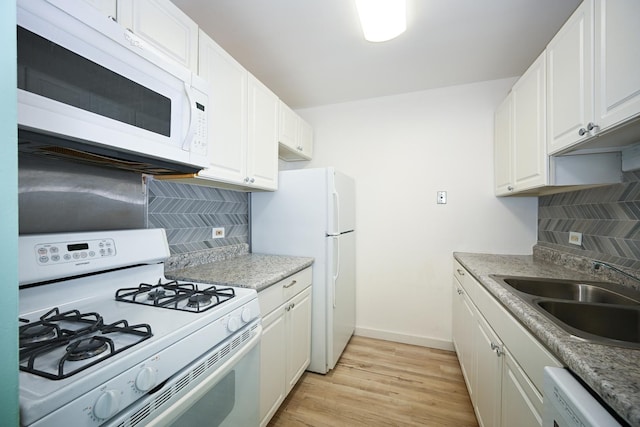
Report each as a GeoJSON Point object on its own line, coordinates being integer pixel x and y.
{"type": "Point", "coordinates": [243, 118]}
{"type": "Point", "coordinates": [529, 128]}
{"type": "Point", "coordinates": [262, 155]}
{"type": "Point", "coordinates": [577, 95]}
{"type": "Point", "coordinates": [570, 80]}
{"type": "Point", "coordinates": [288, 129]}
{"type": "Point", "coordinates": [295, 136]}
{"type": "Point", "coordinates": [227, 114]}
{"type": "Point", "coordinates": [165, 26]}
{"type": "Point", "coordinates": [617, 61]}
{"type": "Point", "coordinates": [106, 7]}
{"type": "Point", "coordinates": [593, 82]}
{"type": "Point", "coordinates": [522, 165]}
{"type": "Point", "coordinates": [502, 151]}
{"type": "Point", "coordinates": [306, 140]}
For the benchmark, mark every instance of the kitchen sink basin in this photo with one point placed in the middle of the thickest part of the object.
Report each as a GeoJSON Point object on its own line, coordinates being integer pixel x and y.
{"type": "Point", "coordinates": [573, 290]}
{"type": "Point", "coordinates": [604, 313]}
{"type": "Point", "coordinates": [611, 322]}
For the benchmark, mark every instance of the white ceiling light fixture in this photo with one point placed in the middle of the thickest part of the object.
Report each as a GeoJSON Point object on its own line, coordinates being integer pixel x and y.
{"type": "Point", "coordinates": [382, 20]}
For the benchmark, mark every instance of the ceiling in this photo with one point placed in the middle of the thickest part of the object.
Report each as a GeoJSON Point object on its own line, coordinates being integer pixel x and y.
{"type": "Point", "coordinates": [311, 52]}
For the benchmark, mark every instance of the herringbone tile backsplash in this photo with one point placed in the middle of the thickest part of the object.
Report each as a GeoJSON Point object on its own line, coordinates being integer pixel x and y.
{"type": "Point", "coordinates": [608, 218]}
{"type": "Point", "coordinates": [189, 212]}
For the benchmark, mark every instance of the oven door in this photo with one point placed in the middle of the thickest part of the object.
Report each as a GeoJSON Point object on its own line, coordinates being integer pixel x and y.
{"type": "Point", "coordinates": [219, 389]}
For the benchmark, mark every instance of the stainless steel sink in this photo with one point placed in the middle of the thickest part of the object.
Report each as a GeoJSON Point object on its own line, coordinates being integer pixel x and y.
{"type": "Point", "coordinates": [573, 290]}
{"type": "Point", "coordinates": [621, 324]}
{"type": "Point", "coordinates": [603, 313]}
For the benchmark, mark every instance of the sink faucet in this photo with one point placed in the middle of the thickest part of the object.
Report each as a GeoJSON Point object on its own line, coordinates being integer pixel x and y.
{"type": "Point", "coordinates": [596, 265]}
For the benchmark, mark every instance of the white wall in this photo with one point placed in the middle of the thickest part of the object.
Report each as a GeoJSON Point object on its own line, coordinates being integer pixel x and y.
{"type": "Point", "coordinates": [401, 150]}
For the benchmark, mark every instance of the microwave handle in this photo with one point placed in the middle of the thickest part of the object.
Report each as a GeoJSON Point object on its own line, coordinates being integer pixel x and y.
{"type": "Point", "coordinates": [188, 139]}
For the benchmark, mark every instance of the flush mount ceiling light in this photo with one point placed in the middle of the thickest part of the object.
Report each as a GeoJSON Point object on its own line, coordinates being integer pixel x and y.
{"type": "Point", "coordinates": [382, 20]}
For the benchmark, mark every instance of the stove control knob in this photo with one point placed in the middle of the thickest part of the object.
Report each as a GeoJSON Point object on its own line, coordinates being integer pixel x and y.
{"type": "Point", "coordinates": [233, 324]}
{"type": "Point", "coordinates": [107, 404]}
{"type": "Point", "coordinates": [246, 314]}
{"type": "Point", "coordinates": [146, 379]}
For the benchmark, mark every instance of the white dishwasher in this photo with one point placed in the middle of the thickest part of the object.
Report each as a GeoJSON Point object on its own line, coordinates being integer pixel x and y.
{"type": "Point", "coordinates": [568, 403]}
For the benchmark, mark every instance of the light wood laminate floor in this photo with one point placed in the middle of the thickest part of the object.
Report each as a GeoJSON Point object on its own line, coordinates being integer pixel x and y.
{"type": "Point", "coordinates": [381, 383]}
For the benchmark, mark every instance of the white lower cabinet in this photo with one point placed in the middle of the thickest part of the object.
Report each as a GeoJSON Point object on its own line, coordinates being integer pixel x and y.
{"type": "Point", "coordinates": [501, 361]}
{"type": "Point", "coordinates": [464, 327]}
{"type": "Point", "coordinates": [488, 351]}
{"type": "Point", "coordinates": [521, 402]}
{"type": "Point", "coordinates": [298, 337]}
{"type": "Point", "coordinates": [272, 365]}
{"type": "Point", "coordinates": [285, 349]}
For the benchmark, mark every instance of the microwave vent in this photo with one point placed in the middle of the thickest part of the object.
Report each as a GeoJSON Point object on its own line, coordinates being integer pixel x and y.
{"type": "Point", "coordinates": [55, 147]}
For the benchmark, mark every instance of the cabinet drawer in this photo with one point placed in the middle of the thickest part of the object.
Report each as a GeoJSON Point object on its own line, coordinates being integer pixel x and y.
{"type": "Point", "coordinates": [463, 277]}
{"type": "Point", "coordinates": [277, 294]}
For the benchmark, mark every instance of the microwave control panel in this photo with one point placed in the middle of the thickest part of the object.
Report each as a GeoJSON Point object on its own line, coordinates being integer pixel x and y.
{"type": "Point", "coordinates": [199, 144]}
{"type": "Point", "coordinates": [61, 252]}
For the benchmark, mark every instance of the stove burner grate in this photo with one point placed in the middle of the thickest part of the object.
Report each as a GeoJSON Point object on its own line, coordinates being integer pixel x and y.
{"type": "Point", "coordinates": [82, 336]}
{"type": "Point", "coordinates": [176, 296]}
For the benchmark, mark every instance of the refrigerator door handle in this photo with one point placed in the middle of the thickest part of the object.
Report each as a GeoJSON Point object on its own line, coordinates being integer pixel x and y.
{"type": "Point", "coordinates": [336, 212]}
{"type": "Point", "coordinates": [334, 279]}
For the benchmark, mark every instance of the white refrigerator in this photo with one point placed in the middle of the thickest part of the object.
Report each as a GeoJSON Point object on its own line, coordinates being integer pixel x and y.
{"type": "Point", "coordinates": [313, 214]}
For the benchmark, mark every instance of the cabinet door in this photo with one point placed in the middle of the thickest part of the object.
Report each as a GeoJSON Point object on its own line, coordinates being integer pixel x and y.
{"type": "Point", "coordinates": [570, 80]}
{"type": "Point", "coordinates": [106, 7]}
{"type": "Point", "coordinates": [298, 336]}
{"type": "Point", "coordinates": [521, 402]}
{"type": "Point", "coordinates": [272, 364]}
{"type": "Point", "coordinates": [165, 26]}
{"type": "Point", "coordinates": [502, 149]}
{"type": "Point", "coordinates": [488, 374]}
{"type": "Point", "coordinates": [464, 321]}
{"type": "Point", "coordinates": [306, 140]}
{"type": "Point", "coordinates": [288, 127]}
{"type": "Point", "coordinates": [262, 164]}
{"type": "Point", "coordinates": [529, 128]}
{"type": "Point", "coordinates": [227, 114]}
{"type": "Point", "coordinates": [617, 61]}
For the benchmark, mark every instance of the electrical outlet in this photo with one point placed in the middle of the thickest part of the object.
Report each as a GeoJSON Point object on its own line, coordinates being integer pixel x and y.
{"type": "Point", "coordinates": [575, 238]}
{"type": "Point", "coordinates": [217, 232]}
{"type": "Point", "coordinates": [441, 197]}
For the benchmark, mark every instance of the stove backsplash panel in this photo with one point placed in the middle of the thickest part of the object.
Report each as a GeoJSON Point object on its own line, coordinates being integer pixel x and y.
{"type": "Point", "coordinates": [608, 218]}
{"type": "Point", "coordinates": [58, 195]}
{"type": "Point", "coordinates": [189, 212]}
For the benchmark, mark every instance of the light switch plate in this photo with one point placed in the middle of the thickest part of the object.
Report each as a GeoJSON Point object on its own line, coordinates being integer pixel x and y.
{"type": "Point", "coordinates": [217, 233]}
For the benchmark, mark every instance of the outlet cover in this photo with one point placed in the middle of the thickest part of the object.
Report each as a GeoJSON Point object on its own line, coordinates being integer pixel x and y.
{"type": "Point", "coordinates": [575, 238]}
{"type": "Point", "coordinates": [217, 233]}
{"type": "Point", "coordinates": [441, 197]}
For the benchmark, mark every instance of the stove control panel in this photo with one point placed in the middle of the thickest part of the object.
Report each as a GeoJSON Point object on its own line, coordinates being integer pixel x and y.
{"type": "Point", "coordinates": [61, 252]}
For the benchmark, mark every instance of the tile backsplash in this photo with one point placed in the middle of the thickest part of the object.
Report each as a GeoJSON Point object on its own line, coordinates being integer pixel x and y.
{"type": "Point", "coordinates": [189, 212]}
{"type": "Point", "coordinates": [608, 218]}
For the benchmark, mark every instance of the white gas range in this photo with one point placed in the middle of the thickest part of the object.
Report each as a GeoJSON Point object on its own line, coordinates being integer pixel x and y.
{"type": "Point", "coordinates": [106, 339]}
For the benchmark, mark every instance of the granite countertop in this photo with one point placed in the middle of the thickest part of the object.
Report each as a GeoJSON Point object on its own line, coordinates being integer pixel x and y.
{"type": "Point", "coordinates": [255, 271]}
{"type": "Point", "coordinates": [612, 372]}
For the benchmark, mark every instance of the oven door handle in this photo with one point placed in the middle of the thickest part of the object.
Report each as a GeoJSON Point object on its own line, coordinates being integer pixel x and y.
{"type": "Point", "coordinates": [185, 402]}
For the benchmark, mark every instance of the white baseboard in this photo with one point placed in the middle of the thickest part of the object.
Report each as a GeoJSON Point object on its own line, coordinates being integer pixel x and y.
{"type": "Point", "coordinates": [405, 339]}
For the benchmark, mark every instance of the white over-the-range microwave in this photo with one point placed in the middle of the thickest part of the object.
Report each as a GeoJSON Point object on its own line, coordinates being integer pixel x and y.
{"type": "Point", "coordinates": [90, 89]}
